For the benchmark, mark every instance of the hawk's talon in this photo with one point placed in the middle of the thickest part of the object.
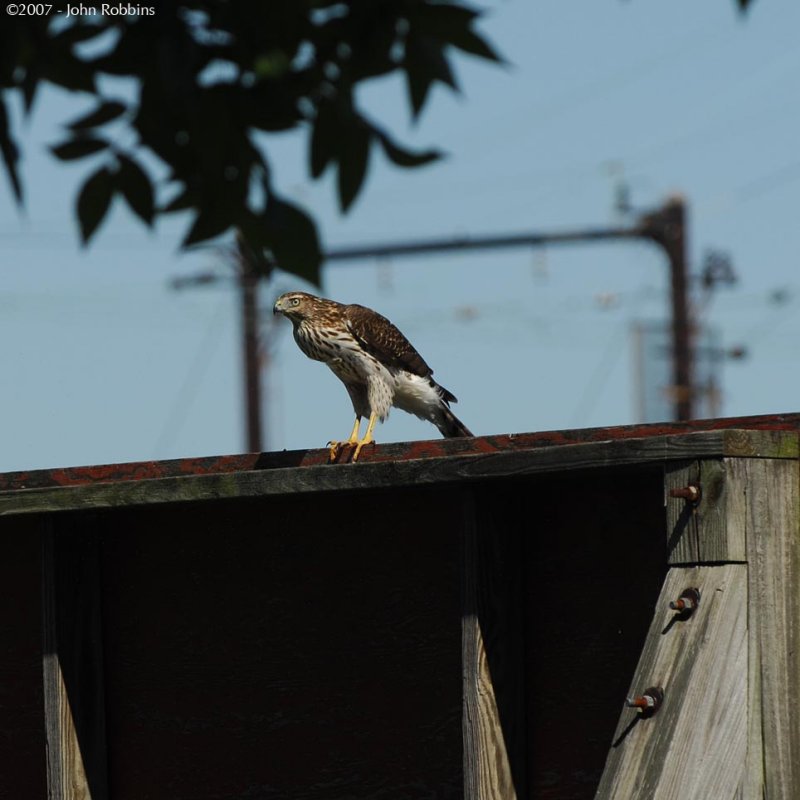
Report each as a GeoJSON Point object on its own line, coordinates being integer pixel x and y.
{"type": "Point", "coordinates": [358, 448]}
{"type": "Point", "coordinates": [367, 437]}
{"type": "Point", "coordinates": [335, 450]}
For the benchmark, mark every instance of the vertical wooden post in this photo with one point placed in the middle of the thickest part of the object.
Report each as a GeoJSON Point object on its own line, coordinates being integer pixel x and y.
{"type": "Point", "coordinates": [772, 523]}
{"type": "Point", "coordinates": [492, 659]}
{"type": "Point", "coordinates": [72, 663]}
{"type": "Point", "coordinates": [729, 726]}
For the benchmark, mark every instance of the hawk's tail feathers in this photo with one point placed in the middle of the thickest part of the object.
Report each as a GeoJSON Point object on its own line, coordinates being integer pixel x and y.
{"type": "Point", "coordinates": [450, 425]}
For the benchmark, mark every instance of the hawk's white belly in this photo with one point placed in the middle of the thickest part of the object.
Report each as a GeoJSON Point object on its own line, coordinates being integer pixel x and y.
{"type": "Point", "coordinates": [385, 387]}
{"type": "Point", "coordinates": [372, 386]}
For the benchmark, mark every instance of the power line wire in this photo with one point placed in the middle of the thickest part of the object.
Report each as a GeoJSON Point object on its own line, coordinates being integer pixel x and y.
{"type": "Point", "coordinates": [599, 378]}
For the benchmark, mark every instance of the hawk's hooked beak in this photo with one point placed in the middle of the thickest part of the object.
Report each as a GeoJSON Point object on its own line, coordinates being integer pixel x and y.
{"type": "Point", "coordinates": [277, 308]}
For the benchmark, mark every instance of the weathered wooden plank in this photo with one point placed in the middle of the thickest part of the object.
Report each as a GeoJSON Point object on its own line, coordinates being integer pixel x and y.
{"type": "Point", "coordinates": [72, 665]}
{"type": "Point", "coordinates": [719, 537]}
{"type": "Point", "coordinates": [492, 660]}
{"type": "Point", "coordinates": [706, 532]}
{"type": "Point", "coordinates": [397, 451]}
{"type": "Point", "coordinates": [761, 443]}
{"type": "Point", "coordinates": [450, 469]}
{"type": "Point", "coordinates": [695, 745]}
{"type": "Point", "coordinates": [487, 771]}
{"type": "Point", "coordinates": [753, 782]}
{"type": "Point", "coordinates": [682, 544]}
{"type": "Point", "coordinates": [772, 521]}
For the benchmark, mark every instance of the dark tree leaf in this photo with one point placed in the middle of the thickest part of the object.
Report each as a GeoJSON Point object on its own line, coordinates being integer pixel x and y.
{"type": "Point", "coordinates": [372, 43]}
{"type": "Point", "coordinates": [131, 55]}
{"type": "Point", "coordinates": [441, 19]}
{"type": "Point", "coordinates": [63, 68]}
{"type": "Point", "coordinates": [353, 159]}
{"type": "Point", "coordinates": [293, 239]}
{"type": "Point", "coordinates": [252, 246]}
{"type": "Point", "coordinates": [425, 63]}
{"type": "Point", "coordinates": [78, 148]}
{"type": "Point", "coordinates": [211, 221]}
{"type": "Point", "coordinates": [105, 112]}
{"type": "Point", "coordinates": [470, 42]}
{"type": "Point", "coordinates": [276, 63]}
{"type": "Point", "coordinates": [93, 201]}
{"type": "Point", "coordinates": [271, 106]}
{"type": "Point", "coordinates": [427, 53]}
{"type": "Point", "coordinates": [184, 200]}
{"type": "Point", "coordinates": [452, 25]}
{"type": "Point", "coordinates": [29, 85]}
{"type": "Point", "coordinates": [323, 144]}
{"type": "Point", "coordinates": [135, 186]}
{"type": "Point", "coordinates": [10, 152]}
{"type": "Point", "coordinates": [402, 157]}
{"type": "Point", "coordinates": [78, 32]}
{"type": "Point", "coordinates": [419, 85]}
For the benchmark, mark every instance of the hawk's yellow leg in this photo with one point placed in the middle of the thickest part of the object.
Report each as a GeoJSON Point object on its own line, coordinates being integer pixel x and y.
{"type": "Point", "coordinates": [335, 447]}
{"type": "Point", "coordinates": [373, 418]}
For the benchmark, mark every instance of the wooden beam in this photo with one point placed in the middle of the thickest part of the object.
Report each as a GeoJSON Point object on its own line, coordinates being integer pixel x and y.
{"type": "Point", "coordinates": [72, 664]}
{"type": "Point", "coordinates": [749, 656]}
{"type": "Point", "coordinates": [441, 470]}
{"type": "Point", "coordinates": [709, 531]}
{"type": "Point", "coordinates": [771, 518]}
{"type": "Point", "coordinates": [682, 544]}
{"type": "Point", "coordinates": [696, 744]}
{"type": "Point", "coordinates": [397, 451]}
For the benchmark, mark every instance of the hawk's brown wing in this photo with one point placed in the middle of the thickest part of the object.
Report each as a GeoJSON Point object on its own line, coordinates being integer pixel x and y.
{"type": "Point", "coordinates": [383, 340]}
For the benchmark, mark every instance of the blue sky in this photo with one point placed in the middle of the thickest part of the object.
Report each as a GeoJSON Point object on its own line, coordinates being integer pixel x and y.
{"type": "Point", "coordinates": [104, 362]}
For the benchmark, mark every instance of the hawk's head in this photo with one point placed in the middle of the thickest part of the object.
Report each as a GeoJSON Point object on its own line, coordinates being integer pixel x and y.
{"type": "Point", "coordinates": [298, 306]}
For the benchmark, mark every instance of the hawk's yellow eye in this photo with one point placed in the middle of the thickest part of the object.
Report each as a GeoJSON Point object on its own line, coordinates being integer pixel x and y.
{"type": "Point", "coordinates": [295, 301]}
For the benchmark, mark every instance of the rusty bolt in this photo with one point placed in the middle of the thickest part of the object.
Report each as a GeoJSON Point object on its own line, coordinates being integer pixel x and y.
{"type": "Point", "coordinates": [687, 602]}
{"type": "Point", "coordinates": [648, 702]}
{"type": "Point", "coordinates": [691, 493]}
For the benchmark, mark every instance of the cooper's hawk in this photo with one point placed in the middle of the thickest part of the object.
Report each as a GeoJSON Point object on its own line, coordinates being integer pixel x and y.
{"type": "Point", "coordinates": [377, 364]}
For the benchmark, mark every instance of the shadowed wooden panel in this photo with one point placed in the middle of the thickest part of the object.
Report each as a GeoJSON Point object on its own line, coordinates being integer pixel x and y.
{"type": "Point", "coordinates": [594, 559]}
{"type": "Point", "coordinates": [22, 744]}
{"type": "Point", "coordinates": [285, 648]}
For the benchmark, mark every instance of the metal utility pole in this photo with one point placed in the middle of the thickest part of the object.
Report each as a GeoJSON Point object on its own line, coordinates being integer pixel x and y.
{"type": "Point", "coordinates": [665, 227]}
{"type": "Point", "coordinates": [250, 268]}
{"type": "Point", "coordinates": [248, 294]}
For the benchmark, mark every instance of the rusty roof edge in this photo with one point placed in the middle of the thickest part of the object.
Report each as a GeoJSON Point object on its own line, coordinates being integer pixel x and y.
{"type": "Point", "coordinates": [403, 473]}
{"type": "Point", "coordinates": [400, 451]}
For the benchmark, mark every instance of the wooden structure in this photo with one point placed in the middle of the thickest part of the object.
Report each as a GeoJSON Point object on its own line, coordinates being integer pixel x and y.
{"type": "Point", "coordinates": [460, 618]}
